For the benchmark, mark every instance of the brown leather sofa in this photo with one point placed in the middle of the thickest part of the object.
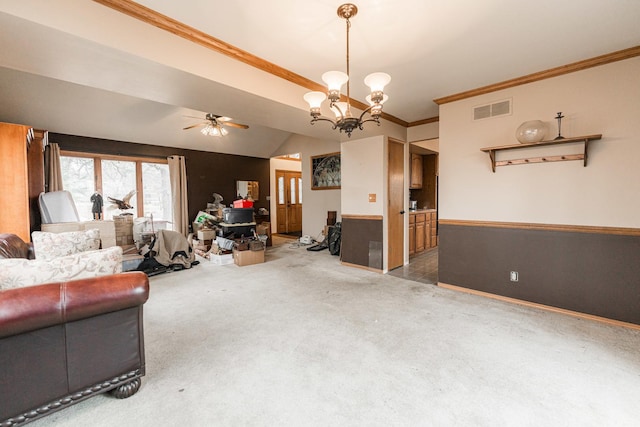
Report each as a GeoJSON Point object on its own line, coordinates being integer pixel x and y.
{"type": "Point", "coordinates": [61, 343]}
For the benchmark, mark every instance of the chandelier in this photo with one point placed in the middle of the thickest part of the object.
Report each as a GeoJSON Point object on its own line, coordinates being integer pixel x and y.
{"type": "Point", "coordinates": [345, 121]}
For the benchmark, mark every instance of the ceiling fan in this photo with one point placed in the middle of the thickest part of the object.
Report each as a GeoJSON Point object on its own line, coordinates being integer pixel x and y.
{"type": "Point", "coordinates": [214, 125]}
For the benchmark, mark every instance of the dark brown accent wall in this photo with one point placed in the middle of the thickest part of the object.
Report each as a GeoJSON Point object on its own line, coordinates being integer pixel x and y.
{"type": "Point", "coordinates": [362, 242]}
{"type": "Point", "coordinates": [207, 172]}
{"type": "Point", "coordinates": [593, 273]}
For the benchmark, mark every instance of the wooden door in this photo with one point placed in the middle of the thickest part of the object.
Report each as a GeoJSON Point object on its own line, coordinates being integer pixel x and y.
{"type": "Point", "coordinates": [395, 212]}
{"type": "Point", "coordinates": [289, 201]}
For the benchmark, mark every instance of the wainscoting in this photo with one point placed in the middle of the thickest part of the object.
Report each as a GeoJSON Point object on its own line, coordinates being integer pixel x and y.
{"type": "Point", "coordinates": [362, 241]}
{"type": "Point", "coordinates": [592, 270]}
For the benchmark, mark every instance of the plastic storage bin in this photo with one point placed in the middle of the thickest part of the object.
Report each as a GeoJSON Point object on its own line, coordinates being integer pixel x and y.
{"type": "Point", "coordinates": [237, 215]}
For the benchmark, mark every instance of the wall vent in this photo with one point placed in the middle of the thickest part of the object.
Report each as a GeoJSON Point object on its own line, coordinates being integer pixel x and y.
{"type": "Point", "coordinates": [498, 108]}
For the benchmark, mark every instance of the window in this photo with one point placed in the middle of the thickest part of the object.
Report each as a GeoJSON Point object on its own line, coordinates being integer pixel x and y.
{"type": "Point", "coordinates": [85, 174]}
{"type": "Point", "coordinates": [77, 177]}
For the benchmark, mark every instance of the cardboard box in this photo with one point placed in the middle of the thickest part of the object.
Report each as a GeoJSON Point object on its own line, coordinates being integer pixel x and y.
{"type": "Point", "coordinates": [264, 229]}
{"type": "Point", "coordinates": [124, 229]}
{"type": "Point", "coordinates": [223, 259]}
{"type": "Point", "coordinates": [206, 234]}
{"type": "Point", "coordinates": [242, 258]}
{"type": "Point", "coordinates": [203, 245]}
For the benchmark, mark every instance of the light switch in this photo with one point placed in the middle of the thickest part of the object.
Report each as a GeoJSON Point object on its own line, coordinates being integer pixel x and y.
{"type": "Point", "coordinates": [372, 198]}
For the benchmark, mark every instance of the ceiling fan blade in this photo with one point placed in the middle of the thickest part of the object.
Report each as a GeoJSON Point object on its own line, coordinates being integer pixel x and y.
{"type": "Point", "coordinates": [223, 118]}
{"type": "Point", "coordinates": [236, 125]}
{"type": "Point", "coordinates": [193, 126]}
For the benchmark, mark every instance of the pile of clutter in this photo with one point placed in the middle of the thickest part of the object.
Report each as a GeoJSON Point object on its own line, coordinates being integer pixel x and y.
{"type": "Point", "coordinates": [227, 235]}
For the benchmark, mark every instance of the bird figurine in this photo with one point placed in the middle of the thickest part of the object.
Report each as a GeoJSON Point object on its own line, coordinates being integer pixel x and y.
{"type": "Point", "coordinates": [123, 204]}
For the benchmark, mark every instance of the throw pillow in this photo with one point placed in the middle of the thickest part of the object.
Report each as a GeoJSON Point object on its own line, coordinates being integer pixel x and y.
{"type": "Point", "coordinates": [48, 246]}
{"type": "Point", "coordinates": [20, 272]}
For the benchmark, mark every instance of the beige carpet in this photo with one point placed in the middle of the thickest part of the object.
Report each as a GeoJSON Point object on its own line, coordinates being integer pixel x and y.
{"type": "Point", "coordinates": [303, 341]}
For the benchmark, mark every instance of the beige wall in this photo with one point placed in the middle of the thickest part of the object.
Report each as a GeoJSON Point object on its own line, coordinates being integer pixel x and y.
{"type": "Point", "coordinates": [363, 173]}
{"type": "Point", "coordinates": [426, 131]}
{"type": "Point", "coordinates": [598, 100]}
{"type": "Point", "coordinates": [430, 144]}
{"type": "Point", "coordinates": [315, 203]}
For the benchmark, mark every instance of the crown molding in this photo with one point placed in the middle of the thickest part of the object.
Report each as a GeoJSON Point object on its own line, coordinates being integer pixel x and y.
{"type": "Point", "coordinates": [163, 22]}
{"type": "Point", "coordinates": [547, 74]}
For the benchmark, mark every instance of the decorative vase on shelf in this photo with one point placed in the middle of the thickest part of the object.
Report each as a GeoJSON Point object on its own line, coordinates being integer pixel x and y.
{"type": "Point", "coordinates": [531, 131]}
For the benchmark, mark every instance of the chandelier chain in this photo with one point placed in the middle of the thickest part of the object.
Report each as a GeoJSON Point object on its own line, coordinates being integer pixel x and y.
{"type": "Point", "coordinates": [348, 73]}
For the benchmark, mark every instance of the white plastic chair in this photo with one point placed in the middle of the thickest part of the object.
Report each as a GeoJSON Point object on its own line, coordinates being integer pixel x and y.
{"type": "Point", "coordinates": [57, 206]}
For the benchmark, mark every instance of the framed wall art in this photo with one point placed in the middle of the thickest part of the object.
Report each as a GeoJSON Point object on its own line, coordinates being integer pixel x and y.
{"type": "Point", "coordinates": [325, 172]}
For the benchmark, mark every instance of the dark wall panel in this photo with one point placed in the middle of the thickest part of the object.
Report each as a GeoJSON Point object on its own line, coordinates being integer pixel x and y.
{"type": "Point", "coordinates": [362, 242]}
{"type": "Point", "coordinates": [207, 172]}
{"type": "Point", "coordinates": [591, 273]}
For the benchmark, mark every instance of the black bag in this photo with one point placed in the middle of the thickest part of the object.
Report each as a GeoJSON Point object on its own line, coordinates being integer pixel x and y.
{"type": "Point", "coordinates": [334, 238]}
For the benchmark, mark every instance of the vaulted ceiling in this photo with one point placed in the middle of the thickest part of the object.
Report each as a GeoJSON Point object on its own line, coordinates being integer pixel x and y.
{"type": "Point", "coordinates": [87, 68]}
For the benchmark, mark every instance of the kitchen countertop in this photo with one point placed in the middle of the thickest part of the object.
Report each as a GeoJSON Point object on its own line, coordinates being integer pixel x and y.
{"type": "Point", "coordinates": [421, 210]}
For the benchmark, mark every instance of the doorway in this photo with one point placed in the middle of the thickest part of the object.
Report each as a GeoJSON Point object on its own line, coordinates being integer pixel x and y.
{"type": "Point", "coordinates": [423, 191]}
{"type": "Point", "coordinates": [289, 202]}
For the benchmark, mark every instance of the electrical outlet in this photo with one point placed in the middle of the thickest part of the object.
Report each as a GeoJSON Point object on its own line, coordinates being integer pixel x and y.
{"type": "Point", "coordinates": [513, 276]}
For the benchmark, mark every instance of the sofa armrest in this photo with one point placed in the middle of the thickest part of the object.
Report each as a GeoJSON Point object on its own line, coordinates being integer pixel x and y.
{"type": "Point", "coordinates": [35, 307]}
{"type": "Point", "coordinates": [12, 246]}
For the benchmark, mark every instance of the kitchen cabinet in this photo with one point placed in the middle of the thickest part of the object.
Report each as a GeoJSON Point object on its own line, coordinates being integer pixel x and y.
{"type": "Point", "coordinates": [412, 234]}
{"type": "Point", "coordinates": [415, 181]}
{"type": "Point", "coordinates": [422, 231]}
{"type": "Point", "coordinates": [421, 238]}
{"type": "Point", "coordinates": [14, 179]}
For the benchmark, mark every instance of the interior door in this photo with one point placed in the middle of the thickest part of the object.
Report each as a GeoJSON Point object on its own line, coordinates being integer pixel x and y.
{"type": "Point", "coordinates": [289, 201]}
{"type": "Point", "coordinates": [396, 205]}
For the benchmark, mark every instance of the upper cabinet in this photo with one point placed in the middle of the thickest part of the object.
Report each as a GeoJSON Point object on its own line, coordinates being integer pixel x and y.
{"type": "Point", "coordinates": [14, 179]}
{"type": "Point", "coordinates": [416, 172]}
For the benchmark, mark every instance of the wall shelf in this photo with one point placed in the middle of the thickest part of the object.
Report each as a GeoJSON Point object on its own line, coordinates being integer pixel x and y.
{"type": "Point", "coordinates": [561, 158]}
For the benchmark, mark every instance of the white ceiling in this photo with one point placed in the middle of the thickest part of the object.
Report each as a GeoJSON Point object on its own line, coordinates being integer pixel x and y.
{"type": "Point", "coordinates": [84, 69]}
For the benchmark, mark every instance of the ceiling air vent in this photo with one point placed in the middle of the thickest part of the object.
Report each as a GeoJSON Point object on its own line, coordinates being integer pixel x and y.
{"type": "Point", "coordinates": [499, 108]}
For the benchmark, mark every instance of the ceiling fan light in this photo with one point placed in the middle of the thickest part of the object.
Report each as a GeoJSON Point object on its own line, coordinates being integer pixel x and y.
{"type": "Point", "coordinates": [214, 130]}
{"type": "Point", "coordinates": [377, 81]}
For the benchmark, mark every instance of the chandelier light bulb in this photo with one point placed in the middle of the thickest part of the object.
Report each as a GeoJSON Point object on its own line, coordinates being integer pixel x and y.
{"type": "Point", "coordinates": [315, 99]}
{"type": "Point", "coordinates": [377, 81]}
{"type": "Point", "coordinates": [340, 109]}
{"type": "Point", "coordinates": [335, 79]}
